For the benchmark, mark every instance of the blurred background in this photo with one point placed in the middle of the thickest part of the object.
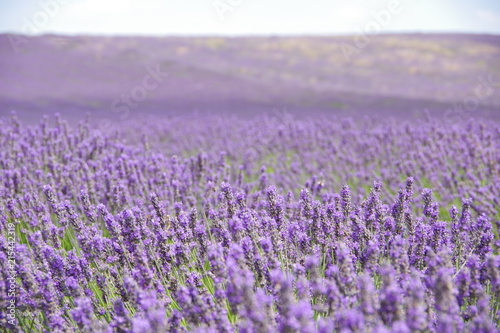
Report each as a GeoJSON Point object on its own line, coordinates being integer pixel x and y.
{"type": "Point", "coordinates": [120, 60]}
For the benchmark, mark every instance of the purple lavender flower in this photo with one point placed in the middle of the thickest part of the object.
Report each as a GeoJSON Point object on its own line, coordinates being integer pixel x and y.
{"type": "Point", "coordinates": [191, 230]}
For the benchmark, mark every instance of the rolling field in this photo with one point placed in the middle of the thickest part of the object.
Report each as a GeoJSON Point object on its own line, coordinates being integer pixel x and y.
{"type": "Point", "coordinates": [250, 184]}
{"type": "Point", "coordinates": [399, 76]}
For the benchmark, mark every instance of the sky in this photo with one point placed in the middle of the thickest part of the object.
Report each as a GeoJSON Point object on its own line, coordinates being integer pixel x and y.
{"type": "Point", "coordinates": [247, 17]}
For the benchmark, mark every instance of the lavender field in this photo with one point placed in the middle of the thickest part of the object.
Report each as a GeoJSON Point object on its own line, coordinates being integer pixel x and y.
{"type": "Point", "coordinates": [453, 77]}
{"type": "Point", "coordinates": [267, 224]}
{"type": "Point", "coordinates": [160, 182]}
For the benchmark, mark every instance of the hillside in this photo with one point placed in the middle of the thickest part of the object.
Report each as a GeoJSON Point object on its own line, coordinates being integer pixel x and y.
{"type": "Point", "coordinates": [396, 75]}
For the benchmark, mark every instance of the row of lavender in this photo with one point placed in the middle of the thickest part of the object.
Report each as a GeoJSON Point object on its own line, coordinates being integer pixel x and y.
{"type": "Point", "coordinates": [250, 225]}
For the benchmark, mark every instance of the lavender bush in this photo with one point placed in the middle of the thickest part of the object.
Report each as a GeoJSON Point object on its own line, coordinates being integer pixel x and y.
{"type": "Point", "coordinates": [224, 225]}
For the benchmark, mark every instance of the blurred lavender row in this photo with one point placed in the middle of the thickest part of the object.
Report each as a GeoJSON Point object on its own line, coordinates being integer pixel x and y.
{"type": "Point", "coordinates": [399, 75]}
{"type": "Point", "coordinates": [264, 225]}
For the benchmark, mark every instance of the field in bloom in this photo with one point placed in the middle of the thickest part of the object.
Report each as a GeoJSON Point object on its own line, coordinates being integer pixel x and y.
{"type": "Point", "coordinates": [260, 225]}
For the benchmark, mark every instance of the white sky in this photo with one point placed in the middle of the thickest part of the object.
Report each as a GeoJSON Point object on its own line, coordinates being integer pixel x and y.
{"type": "Point", "coordinates": [162, 17]}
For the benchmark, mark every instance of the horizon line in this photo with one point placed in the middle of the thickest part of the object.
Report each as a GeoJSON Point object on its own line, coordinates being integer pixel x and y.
{"type": "Point", "coordinates": [242, 35]}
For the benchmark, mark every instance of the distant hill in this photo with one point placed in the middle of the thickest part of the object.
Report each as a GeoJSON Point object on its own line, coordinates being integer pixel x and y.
{"type": "Point", "coordinates": [396, 75]}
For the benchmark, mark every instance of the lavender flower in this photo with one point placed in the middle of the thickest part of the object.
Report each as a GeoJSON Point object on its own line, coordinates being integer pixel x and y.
{"type": "Point", "coordinates": [113, 232]}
